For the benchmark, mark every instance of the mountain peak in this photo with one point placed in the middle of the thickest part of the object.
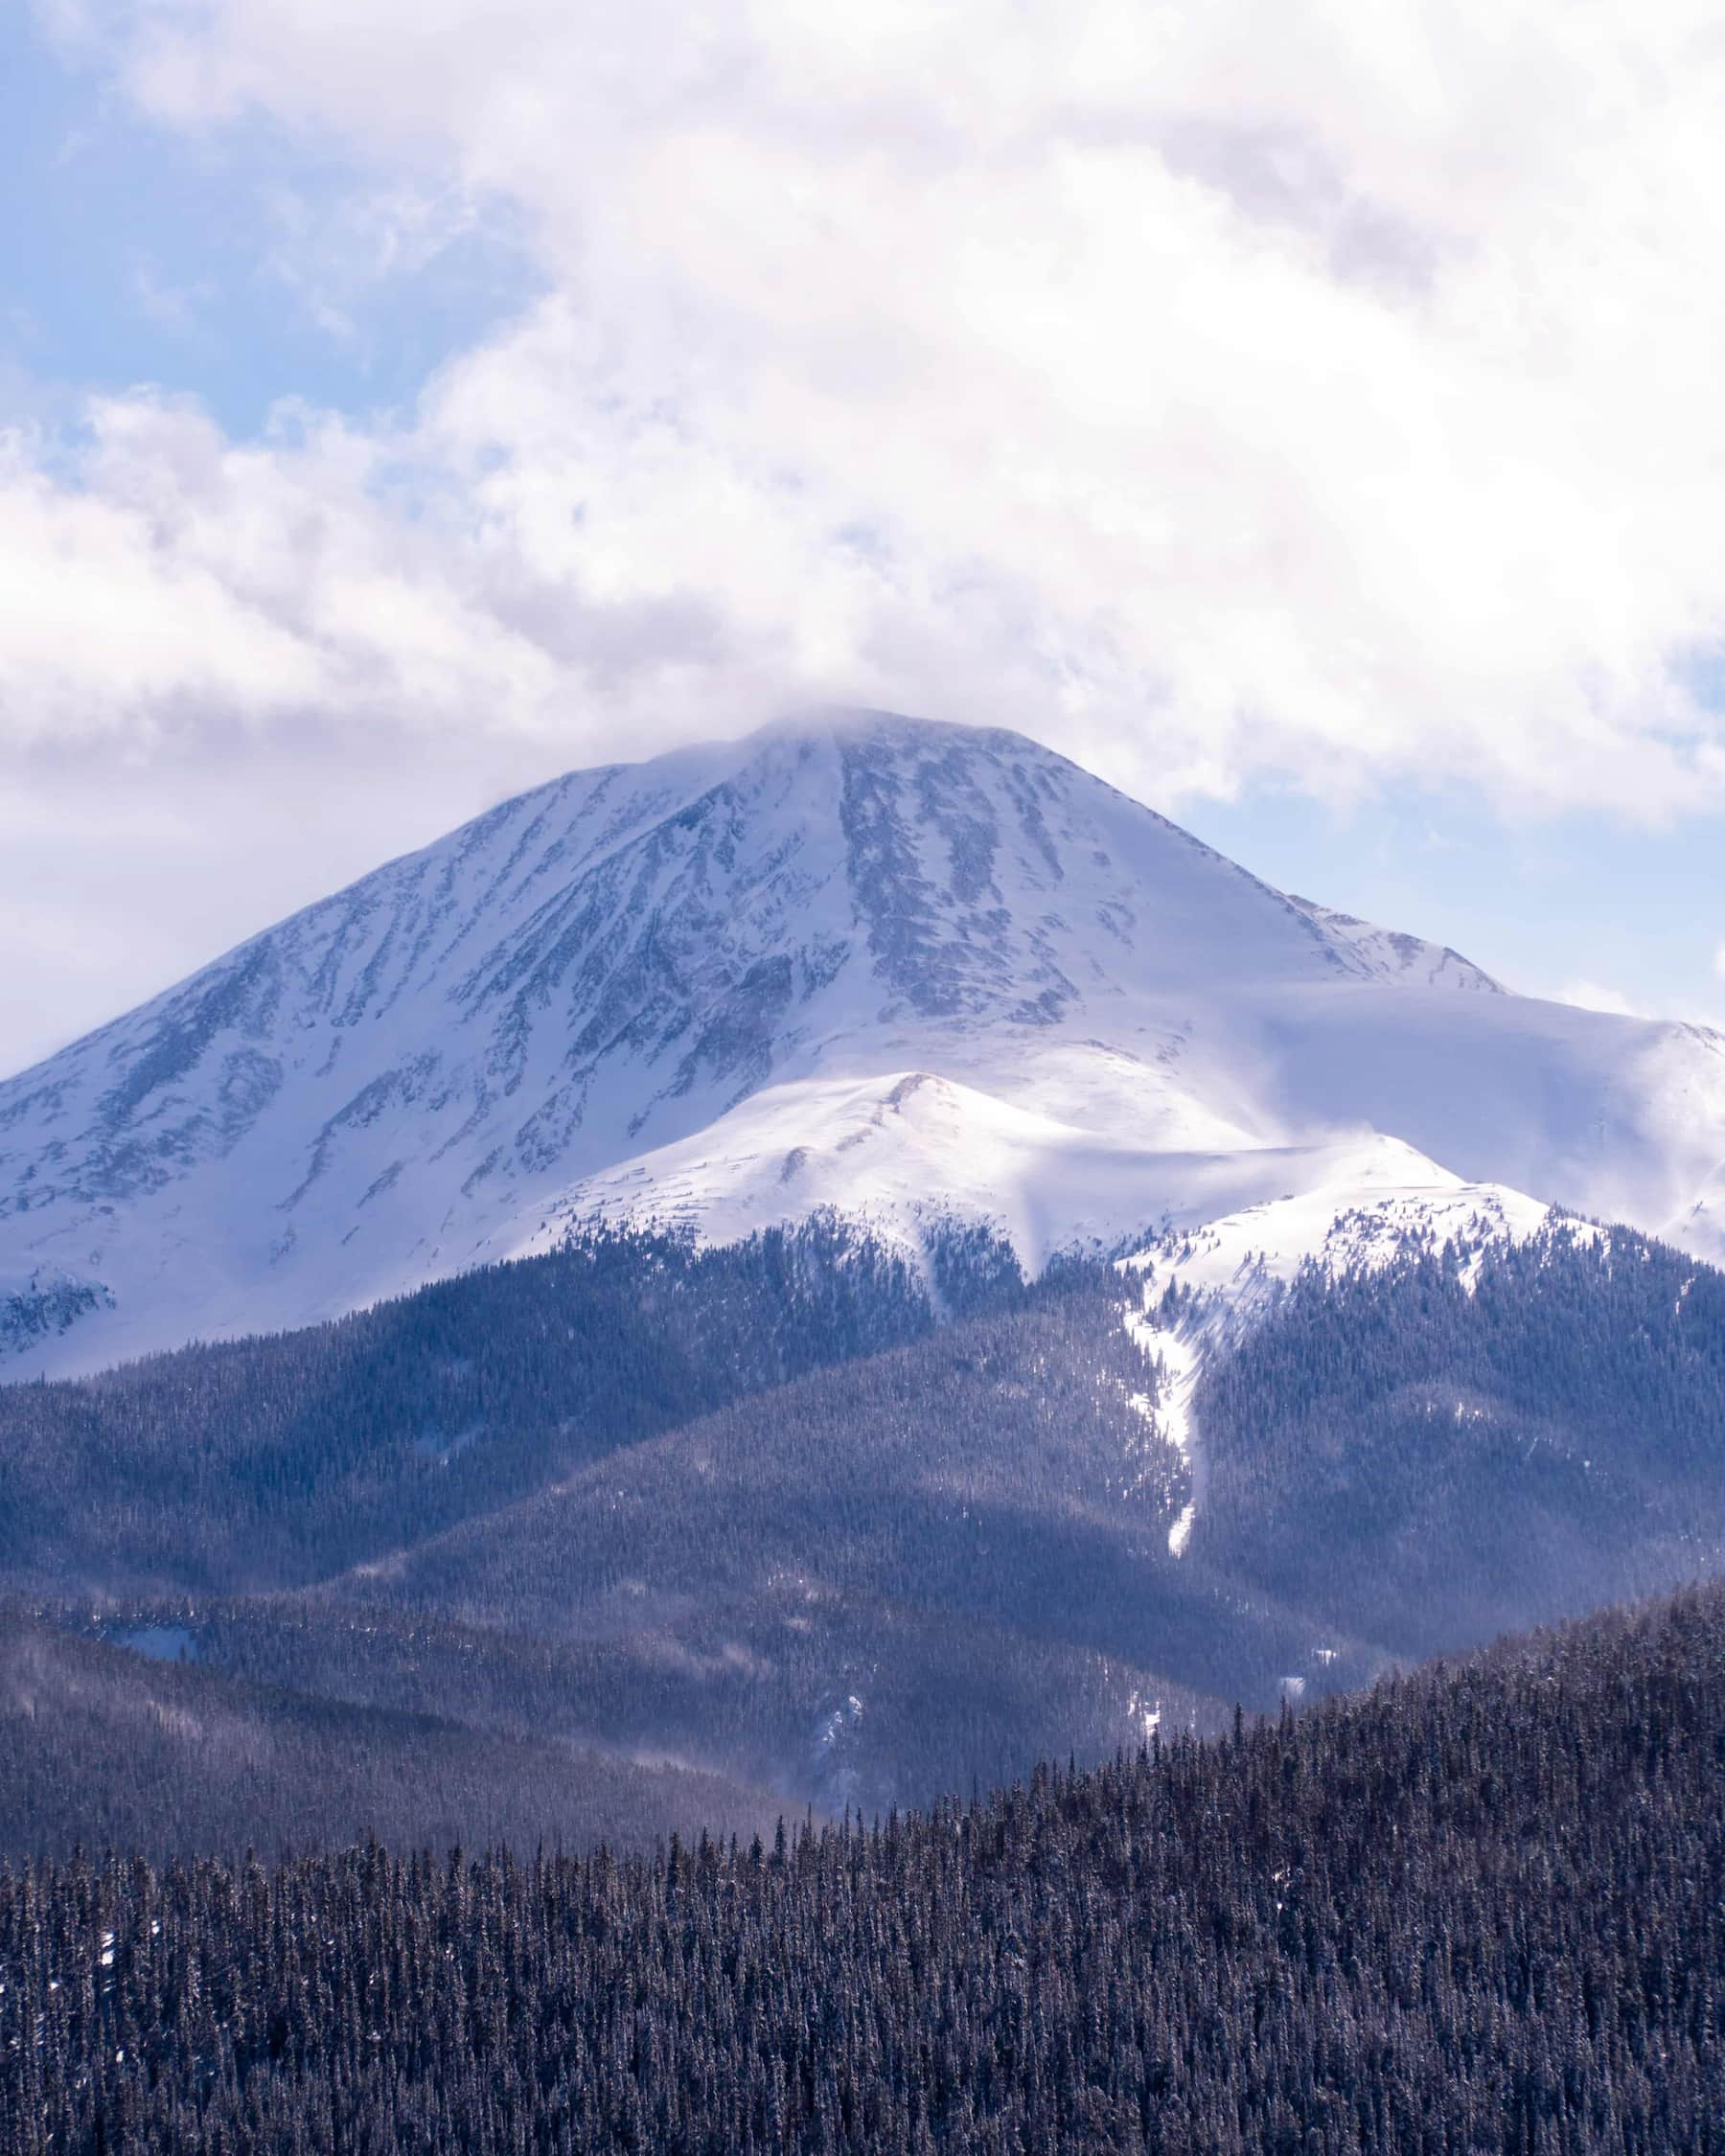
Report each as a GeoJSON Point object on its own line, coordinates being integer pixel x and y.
{"type": "Point", "coordinates": [854, 726]}
{"type": "Point", "coordinates": [847, 722]}
{"type": "Point", "coordinates": [752, 942]}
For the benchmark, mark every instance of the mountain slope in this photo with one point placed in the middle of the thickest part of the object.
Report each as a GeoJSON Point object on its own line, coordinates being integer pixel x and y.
{"type": "Point", "coordinates": [753, 1510]}
{"type": "Point", "coordinates": [1478, 1909]}
{"type": "Point", "coordinates": [253, 1464]}
{"type": "Point", "coordinates": [101, 1747]}
{"type": "Point", "coordinates": [703, 986]}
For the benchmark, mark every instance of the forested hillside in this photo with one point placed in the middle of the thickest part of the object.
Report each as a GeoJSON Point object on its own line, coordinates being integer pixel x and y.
{"type": "Point", "coordinates": [272, 1461]}
{"type": "Point", "coordinates": [103, 1749]}
{"type": "Point", "coordinates": [1464, 1443]}
{"type": "Point", "coordinates": [826, 1702]}
{"type": "Point", "coordinates": [1481, 1909]}
{"type": "Point", "coordinates": [812, 1522]}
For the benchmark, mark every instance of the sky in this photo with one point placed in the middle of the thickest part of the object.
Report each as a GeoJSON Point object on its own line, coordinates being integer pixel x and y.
{"type": "Point", "coordinates": [1305, 414]}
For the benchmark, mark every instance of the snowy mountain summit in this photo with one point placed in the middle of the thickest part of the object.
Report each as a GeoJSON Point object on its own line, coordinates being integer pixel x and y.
{"type": "Point", "coordinates": [898, 968]}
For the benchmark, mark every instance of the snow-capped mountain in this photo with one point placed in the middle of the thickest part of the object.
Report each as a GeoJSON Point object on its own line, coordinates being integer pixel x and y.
{"type": "Point", "coordinates": [878, 963]}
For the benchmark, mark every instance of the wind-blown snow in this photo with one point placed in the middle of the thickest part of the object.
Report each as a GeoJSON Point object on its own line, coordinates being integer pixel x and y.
{"type": "Point", "coordinates": [891, 966]}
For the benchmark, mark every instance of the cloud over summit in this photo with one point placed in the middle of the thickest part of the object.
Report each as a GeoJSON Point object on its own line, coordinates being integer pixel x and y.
{"type": "Point", "coordinates": [1316, 393]}
{"type": "Point", "coordinates": [1280, 389]}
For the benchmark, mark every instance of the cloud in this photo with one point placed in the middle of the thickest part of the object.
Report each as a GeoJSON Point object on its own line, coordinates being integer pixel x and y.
{"type": "Point", "coordinates": [171, 306]}
{"type": "Point", "coordinates": [1215, 393]}
{"type": "Point", "coordinates": [1325, 396]}
{"type": "Point", "coordinates": [1592, 996]}
{"type": "Point", "coordinates": [1596, 996]}
{"type": "Point", "coordinates": [1719, 962]}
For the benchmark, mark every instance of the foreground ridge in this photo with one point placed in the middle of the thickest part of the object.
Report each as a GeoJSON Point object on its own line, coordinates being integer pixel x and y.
{"type": "Point", "coordinates": [1475, 1910]}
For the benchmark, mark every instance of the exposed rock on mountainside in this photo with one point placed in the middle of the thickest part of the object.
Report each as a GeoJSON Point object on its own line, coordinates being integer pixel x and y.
{"type": "Point", "coordinates": [900, 968]}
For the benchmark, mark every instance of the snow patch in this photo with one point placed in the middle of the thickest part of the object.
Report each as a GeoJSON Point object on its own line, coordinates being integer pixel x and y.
{"type": "Point", "coordinates": [1144, 1715]}
{"type": "Point", "coordinates": [1176, 1356]}
{"type": "Point", "coordinates": [836, 1725]}
{"type": "Point", "coordinates": [1201, 1288]}
{"type": "Point", "coordinates": [160, 1643]}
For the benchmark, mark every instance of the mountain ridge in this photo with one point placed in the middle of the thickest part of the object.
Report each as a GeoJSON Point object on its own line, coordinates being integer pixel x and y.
{"type": "Point", "coordinates": [644, 991]}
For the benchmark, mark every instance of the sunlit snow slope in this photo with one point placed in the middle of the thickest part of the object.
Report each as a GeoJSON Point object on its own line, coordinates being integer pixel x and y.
{"type": "Point", "coordinates": [873, 962]}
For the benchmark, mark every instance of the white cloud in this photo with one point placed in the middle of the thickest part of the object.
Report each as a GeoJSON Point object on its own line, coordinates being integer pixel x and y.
{"type": "Point", "coordinates": [1217, 390]}
{"type": "Point", "coordinates": [1593, 996]}
{"type": "Point", "coordinates": [1598, 995]}
{"type": "Point", "coordinates": [1328, 393]}
{"type": "Point", "coordinates": [1719, 962]}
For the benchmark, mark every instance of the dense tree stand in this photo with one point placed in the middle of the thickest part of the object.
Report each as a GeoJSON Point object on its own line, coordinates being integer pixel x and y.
{"type": "Point", "coordinates": [1478, 1909]}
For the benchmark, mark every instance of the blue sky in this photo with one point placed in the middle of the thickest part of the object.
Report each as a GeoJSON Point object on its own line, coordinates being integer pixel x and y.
{"type": "Point", "coordinates": [228, 267]}
{"type": "Point", "coordinates": [1576, 904]}
{"type": "Point", "coordinates": [398, 404]}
